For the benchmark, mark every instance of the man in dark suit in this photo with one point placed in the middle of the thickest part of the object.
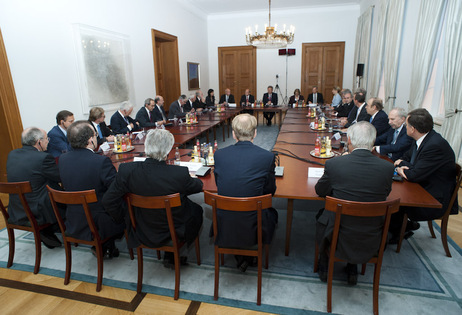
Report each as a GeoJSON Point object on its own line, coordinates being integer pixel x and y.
{"type": "Point", "coordinates": [315, 97]}
{"type": "Point", "coordinates": [177, 108]}
{"type": "Point", "coordinates": [395, 142]}
{"type": "Point", "coordinates": [121, 122]}
{"type": "Point", "coordinates": [379, 119]}
{"type": "Point", "coordinates": [83, 169]}
{"type": "Point", "coordinates": [160, 117]}
{"type": "Point", "coordinates": [199, 103]}
{"type": "Point", "coordinates": [227, 97]}
{"type": "Point", "coordinates": [96, 118]}
{"type": "Point", "coordinates": [154, 177]}
{"type": "Point", "coordinates": [431, 163]}
{"type": "Point", "coordinates": [347, 104]}
{"type": "Point", "coordinates": [31, 163]}
{"type": "Point", "coordinates": [247, 99]}
{"type": "Point", "coordinates": [58, 135]}
{"type": "Point", "coordinates": [145, 116]}
{"type": "Point", "coordinates": [358, 176]}
{"type": "Point", "coordinates": [244, 170]}
{"type": "Point", "coordinates": [269, 99]}
{"type": "Point", "coordinates": [359, 112]}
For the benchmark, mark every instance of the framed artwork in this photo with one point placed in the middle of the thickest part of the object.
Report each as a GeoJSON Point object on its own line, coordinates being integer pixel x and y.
{"type": "Point", "coordinates": [104, 67]}
{"type": "Point", "coordinates": [193, 76]}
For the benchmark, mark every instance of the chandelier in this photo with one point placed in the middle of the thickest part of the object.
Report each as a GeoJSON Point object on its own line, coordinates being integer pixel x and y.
{"type": "Point", "coordinates": [271, 38]}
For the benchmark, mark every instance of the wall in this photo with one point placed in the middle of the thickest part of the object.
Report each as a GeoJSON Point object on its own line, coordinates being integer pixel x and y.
{"type": "Point", "coordinates": [39, 42]}
{"type": "Point", "coordinates": [317, 24]}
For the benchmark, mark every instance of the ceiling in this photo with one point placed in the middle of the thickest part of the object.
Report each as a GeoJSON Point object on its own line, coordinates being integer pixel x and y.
{"type": "Point", "coordinates": [211, 7]}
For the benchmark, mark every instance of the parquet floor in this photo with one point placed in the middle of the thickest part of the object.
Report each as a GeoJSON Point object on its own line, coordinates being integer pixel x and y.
{"type": "Point", "coordinates": [25, 293]}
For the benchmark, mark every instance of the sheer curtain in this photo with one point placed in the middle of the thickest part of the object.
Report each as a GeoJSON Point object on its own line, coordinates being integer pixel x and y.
{"type": "Point", "coordinates": [425, 46]}
{"type": "Point", "coordinates": [376, 60]}
{"type": "Point", "coordinates": [363, 44]}
{"type": "Point", "coordinates": [393, 29]}
{"type": "Point", "coordinates": [452, 125]}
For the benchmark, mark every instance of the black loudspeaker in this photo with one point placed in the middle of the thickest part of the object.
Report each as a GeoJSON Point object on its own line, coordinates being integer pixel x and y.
{"type": "Point", "coordinates": [291, 51]}
{"type": "Point", "coordinates": [282, 52]}
{"type": "Point", "coordinates": [360, 70]}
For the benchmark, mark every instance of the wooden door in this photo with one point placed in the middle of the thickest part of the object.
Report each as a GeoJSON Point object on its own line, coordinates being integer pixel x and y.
{"type": "Point", "coordinates": [237, 70]}
{"type": "Point", "coordinates": [322, 66]}
{"type": "Point", "coordinates": [10, 118]}
{"type": "Point", "coordinates": [166, 66]}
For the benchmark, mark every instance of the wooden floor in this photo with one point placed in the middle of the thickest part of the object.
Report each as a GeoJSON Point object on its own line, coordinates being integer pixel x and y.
{"type": "Point", "coordinates": [25, 293]}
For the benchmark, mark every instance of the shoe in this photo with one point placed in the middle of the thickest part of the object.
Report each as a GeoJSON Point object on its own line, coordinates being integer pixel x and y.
{"type": "Point", "coordinates": [112, 253]}
{"type": "Point", "coordinates": [412, 226]}
{"type": "Point", "coordinates": [50, 240]}
{"type": "Point", "coordinates": [352, 273]}
{"type": "Point", "coordinates": [170, 263]}
{"type": "Point", "coordinates": [395, 239]}
{"type": "Point", "coordinates": [268, 123]}
{"type": "Point", "coordinates": [243, 266]}
{"type": "Point", "coordinates": [322, 272]}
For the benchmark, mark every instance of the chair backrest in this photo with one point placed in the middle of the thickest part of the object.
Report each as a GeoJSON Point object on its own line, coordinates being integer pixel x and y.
{"type": "Point", "coordinates": [155, 203]}
{"type": "Point", "coordinates": [456, 189]}
{"type": "Point", "coordinates": [238, 204]}
{"type": "Point", "coordinates": [18, 188]}
{"type": "Point", "coordinates": [83, 198]}
{"type": "Point", "coordinates": [361, 209]}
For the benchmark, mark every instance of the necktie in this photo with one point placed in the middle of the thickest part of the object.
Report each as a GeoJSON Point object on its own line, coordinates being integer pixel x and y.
{"type": "Point", "coordinates": [371, 119]}
{"type": "Point", "coordinates": [315, 98]}
{"type": "Point", "coordinates": [414, 153]}
{"type": "Point", "coordinates": [126, 120]}
{"type": "Point", "coordinates": [395, 136]}
{"type": "Point", "coordinates": [100, 134]}
{"type": "Point", "coordinates": [247, 98]}
{"type": "Point", "coordinates": [269, 96]}
{"type": "Point", "coordinates": [150, 117]}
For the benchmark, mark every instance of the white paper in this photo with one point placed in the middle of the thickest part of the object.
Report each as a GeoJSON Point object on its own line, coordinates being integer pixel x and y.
{"type": "Point", "coordinates": [315, 172]}
{"type": "Point", "coordinates": [139, 159]}
{"type": "Point", "coordinates": [232, 104]}
{"type": "Point", "coordinates": [192, 166]}
{"type": "Point", "coordinates": [140, 136]}
{"type": "Point", "coordinates": [105, 147]}
{"type": "Point", "coordinates": [312, 125]}
{"type": "Point", "coordinates": [337, 136]}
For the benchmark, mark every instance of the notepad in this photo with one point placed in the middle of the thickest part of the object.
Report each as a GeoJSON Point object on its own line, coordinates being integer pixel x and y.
{"type": "Point", "coordinates": [315, 172]}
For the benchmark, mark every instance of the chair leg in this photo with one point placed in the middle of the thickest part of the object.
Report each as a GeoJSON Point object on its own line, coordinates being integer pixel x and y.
{"type": "Point", "coordinates": [38, 251]}
{"type": "Point", "coordinates": [99, 261]}
{"type": "Point", "coordinates": [260, 264]}
{"type": "Point", "coordinates": [430, 227]}
{"type": "Point", "coordinates": [266, 255]}
{"type": "Point", "coordinates": [11, 241]}
{"type": "Point", "coordinates": [401, 234]}
{"type": "Point", "coordinates": [139, 254]}
{"type": "Point", "coordinates": [217, 272]}
{"type": "Point", "coordinates": [158, 255]}
{"type": "Point", "coordinates": [177, 275]}
{"type": "Point", "coordinates": [316, 257]}
{"type": "Point", "coordinates": [67, 248]}
{"type": "Point", "coordinates": [375, 291]}
{"type": "Point", "coordinates": [198, 251]}
{"type": "Point", "coordinates": [222, 259]}
{"type": "Point", "coordinates": [444, 235]}
{"type": "Point", "coordinates": [330, 278]}
{"type": "Point", "coordinates": [363, 269]}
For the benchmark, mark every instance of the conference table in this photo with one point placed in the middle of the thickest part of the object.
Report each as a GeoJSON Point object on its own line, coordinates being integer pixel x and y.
{"type": "Point", "coordinates": [293, 146]}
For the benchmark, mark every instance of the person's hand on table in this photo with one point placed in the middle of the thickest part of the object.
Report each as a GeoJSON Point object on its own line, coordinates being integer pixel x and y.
{"type": "Point", "coordinates": [397, 162]}
{"type": "Point", "coordinates": [400, 171]}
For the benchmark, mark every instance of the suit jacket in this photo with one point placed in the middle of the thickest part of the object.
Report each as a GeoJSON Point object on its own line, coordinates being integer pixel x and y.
{"type": "Point", "coordinates": [119, 125]}
{"type": "Point", "coordinates": [244, 170]}
{"type": "Point", "coordinates": [158, 114]}
{"type": "Point", "coordinates": [154, 178]}
{"type": "Point", "coordinates": [230, 100]}
{"type": "Point", "coordinates": [188, 106]}
{"type": "Point", "coordinates": [380, 122]}
{"type": "Point", "coordinates": [363, 115]}
{"type": "Point", "coordinates": [320, 99]}
{"type": "Point", "coordinates": [274, 98]}
{"type": "Point", "coordinates": [358, 176]}
{"type": "Point", "coordinates": [58, 143]}
{"type": "Point", "coordinates": [344, 109]}
{"type": "Point", "coordinates": [402, 144]}
{"type": "Point", "coordinates": [40, 169]}
{"type": "Point", "coordinates": [143, 118]}
{"type": "Point", "coordinates": [292, 99]}
{"type": "Point", "coordinates": [175, 110]}
{"type": "Point", "coordinates": [434, 170]}
{"type": "Point", "coordinates": [199, 104]}
{"type": "Point", "coordinates": [244, 99]}
{"type": "Point", "coordinates": [210, 101]}
{"type": "Point", "coordinates": [83, 169]}
{"type": "Point", "coordinates": [104, 130]}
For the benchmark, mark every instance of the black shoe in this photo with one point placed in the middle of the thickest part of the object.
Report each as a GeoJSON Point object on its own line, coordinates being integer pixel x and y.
{"type": "Point", "coordinates": [352, 272]}
{"type": "Point", "coordinates": [268, 123]}
{"type": "Point", "coordinates": [243, 266]}
{"type": "Point", "coordinates": [395, 239]}
{"type": "Point", "coordinates": [114, 252]}
{"type": "Point", "coordinates": [170, 263]}
{"type": "Point", "coordinates": [322, 272]}
{"type": "Point", "coordinates": [412, 226]}
{"type": "Point", "coordinates": [50, 240]}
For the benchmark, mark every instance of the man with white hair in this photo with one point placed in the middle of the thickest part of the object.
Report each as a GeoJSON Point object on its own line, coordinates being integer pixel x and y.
{"type": "Point", "coordinates": [154, 177]}
{"type": "Point", "coordinates": [358, 176]}
{"type": "Point", "coordinates": [121, 122]}
{"type": "Point", "coordinates": [31, 163]}
{"type": "Point", "coordinates": [177, 109]}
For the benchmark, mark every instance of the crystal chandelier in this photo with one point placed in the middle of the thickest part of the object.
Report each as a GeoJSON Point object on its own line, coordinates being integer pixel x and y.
{"type": "Point", "coordinates": [271, 38]}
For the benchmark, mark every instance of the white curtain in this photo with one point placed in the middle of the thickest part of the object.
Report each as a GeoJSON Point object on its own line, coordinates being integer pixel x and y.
{"type": "Point", "coordinates": [452, 125]}
{"type": "Point", "coordinates": [363, 44]}
{"type": "Point", "coordinates": [425, 47]}
{"type": "Point", "coordinates": [393, 30]}
{"type": "Point", "coordinates": [376, 60]}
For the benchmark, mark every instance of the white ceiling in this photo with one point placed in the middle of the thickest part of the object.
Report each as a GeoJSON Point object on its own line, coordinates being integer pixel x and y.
{"type": "Point", "coordinates": [211, 7]}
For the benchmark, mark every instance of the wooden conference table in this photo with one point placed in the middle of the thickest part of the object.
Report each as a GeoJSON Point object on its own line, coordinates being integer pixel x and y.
{"type": "Point", "coordinates": [296, 139]}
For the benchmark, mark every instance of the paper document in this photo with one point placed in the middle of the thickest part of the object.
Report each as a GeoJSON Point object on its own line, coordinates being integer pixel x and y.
{"type": "Point", "coordinates": [315, 172]}
{"type": "Point", "coordinates": [139, 159]}
{"type": "Point", "coordinates": [192, 166]}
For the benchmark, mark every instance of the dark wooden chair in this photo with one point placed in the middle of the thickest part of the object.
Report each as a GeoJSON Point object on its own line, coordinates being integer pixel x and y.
{"type": "Point", "coordinates": [21, 188]}
{"type": "Point", "coordinates": [78, 198]}
{"type": "Point", "coordinates": [358, 209]}
{"type": "Point", "coordinates": [239, 204]}
{"type": "Point", "coordinates": [159, 203]}
{"type": "Point", "coordinates": [444, 219]}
